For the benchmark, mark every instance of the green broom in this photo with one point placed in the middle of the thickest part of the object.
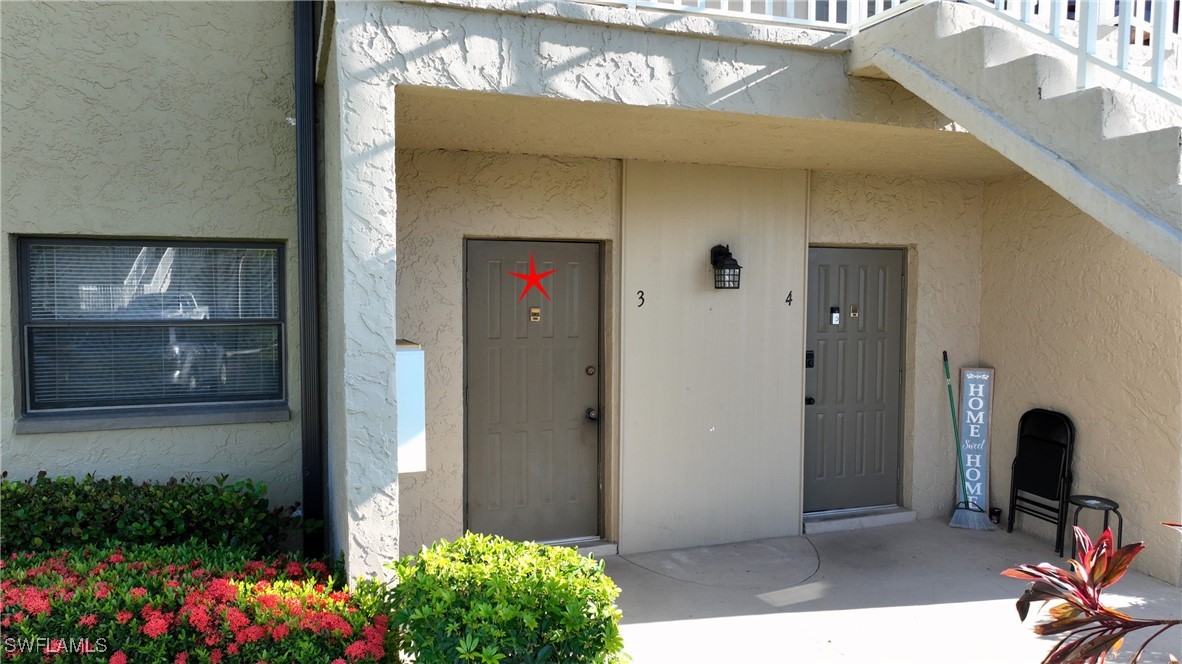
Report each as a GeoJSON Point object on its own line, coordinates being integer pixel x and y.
{"type": "Point", "coordinates": [967, 513]}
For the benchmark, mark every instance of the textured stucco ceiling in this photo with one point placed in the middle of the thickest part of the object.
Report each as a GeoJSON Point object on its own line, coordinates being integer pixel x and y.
{"type": "Point", "coordinates": [432, 118]}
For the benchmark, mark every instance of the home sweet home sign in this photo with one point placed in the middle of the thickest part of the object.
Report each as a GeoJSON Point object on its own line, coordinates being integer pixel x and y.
{"type": "Point", "coordinates": [976, 410]}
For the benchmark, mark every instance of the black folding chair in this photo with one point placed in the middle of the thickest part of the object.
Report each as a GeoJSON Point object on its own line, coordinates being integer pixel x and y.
{"type": "Point", "coordinates": [1041, 480]}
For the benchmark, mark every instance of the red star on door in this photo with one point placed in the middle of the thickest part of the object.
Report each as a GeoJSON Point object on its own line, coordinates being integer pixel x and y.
{"type": "Point", "coordinates": [533, 279]}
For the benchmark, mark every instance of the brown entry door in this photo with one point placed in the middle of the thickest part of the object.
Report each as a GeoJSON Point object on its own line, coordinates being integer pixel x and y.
{"type": "Point", "coordinates": [852, 402]}
{"type": "Point", "coordinates": [532, 389]}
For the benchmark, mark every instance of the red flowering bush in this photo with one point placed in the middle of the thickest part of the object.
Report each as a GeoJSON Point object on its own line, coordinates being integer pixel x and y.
{"type": "Point", "coordinates": [185, 603]}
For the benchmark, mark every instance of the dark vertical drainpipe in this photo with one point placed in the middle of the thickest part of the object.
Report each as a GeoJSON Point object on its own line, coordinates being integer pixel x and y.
{"type": "Point", "coordinates": [312, 432]}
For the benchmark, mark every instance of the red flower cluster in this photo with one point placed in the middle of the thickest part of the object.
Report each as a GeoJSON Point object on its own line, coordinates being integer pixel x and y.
{"type": "Point", "coordinates": [148, 608]}
{"type": "Point", "coordinates": [101, 590]}
{"type": "Point", "coordinates": [156, 622]}
{"type": "Point", "coordinates": [372, 643]}
{"type": "Point", "coordinates": [31, 600]}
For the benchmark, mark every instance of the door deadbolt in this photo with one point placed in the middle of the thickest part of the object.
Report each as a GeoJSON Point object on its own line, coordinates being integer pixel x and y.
{"type": "Point", "coordinates": [592, 414]}
{"type": "Point", "coordinates": [590, 371]}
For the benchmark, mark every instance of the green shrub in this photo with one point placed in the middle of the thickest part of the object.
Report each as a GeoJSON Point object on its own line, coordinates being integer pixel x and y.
{"type": "Point", "coordinates": [43, 514]}
{"type": "Point", "coordinates": [486, 599]}
{"type": "Point", "coordinates": [186, 603]}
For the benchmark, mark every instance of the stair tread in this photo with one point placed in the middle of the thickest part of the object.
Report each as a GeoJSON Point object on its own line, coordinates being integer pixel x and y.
{"type": "Point", "coordinates": [1043, 75]}
{"type": "Point", "coordinates": [1109, 113]}
{"type": "Point", "coordinates": [994, 45]}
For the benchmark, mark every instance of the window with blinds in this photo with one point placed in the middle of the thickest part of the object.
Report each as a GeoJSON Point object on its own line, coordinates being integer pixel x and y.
{"type": "Point", "coordinates": [109, 324]}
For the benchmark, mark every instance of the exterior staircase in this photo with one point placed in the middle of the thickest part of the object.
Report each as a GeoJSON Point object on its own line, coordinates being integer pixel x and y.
{"type": "Point", "coordinates": [1113, 149]}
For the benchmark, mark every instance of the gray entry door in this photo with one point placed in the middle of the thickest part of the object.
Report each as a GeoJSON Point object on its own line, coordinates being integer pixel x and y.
{"type": "Point", "coordinates": [532, 373]}
{"type": "Point", "coordinates": [851, 449]}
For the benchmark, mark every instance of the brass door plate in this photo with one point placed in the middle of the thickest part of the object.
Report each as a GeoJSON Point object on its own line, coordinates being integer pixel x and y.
{"type": "Point", "coordinates": [535, 314]}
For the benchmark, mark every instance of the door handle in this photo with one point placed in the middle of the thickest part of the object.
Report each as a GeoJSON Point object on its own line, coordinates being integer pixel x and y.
{"type": "Point", "coordinates": [592, 414]}
{"type": "Point", "coordinates": [808, 401]}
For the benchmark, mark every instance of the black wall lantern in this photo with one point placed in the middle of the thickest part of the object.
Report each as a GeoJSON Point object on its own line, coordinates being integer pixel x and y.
{"type": "Point", "coordinates": [726, 268]}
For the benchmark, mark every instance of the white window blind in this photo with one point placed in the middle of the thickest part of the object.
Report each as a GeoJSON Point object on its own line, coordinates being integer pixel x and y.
{"type": "Point", "coordinates": [134, 324]}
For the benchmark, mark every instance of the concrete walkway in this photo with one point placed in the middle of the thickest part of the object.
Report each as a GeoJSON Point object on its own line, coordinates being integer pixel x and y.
{"type": "Point", "coordinates": [919, 592]}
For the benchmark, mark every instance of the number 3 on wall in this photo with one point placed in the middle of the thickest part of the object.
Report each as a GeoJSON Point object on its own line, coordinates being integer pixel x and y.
{"type": "Point", "coordinates": [640, 296]}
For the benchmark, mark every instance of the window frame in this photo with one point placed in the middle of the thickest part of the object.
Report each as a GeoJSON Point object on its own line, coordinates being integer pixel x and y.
{"type": "Point", "coordinates": [147, 414]}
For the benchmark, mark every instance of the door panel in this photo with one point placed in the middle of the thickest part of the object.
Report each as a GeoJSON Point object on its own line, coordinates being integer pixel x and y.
{"type": "Point", "coordinates": [532, 461]}
{"type": "Point", "coordinates": [852, 427]}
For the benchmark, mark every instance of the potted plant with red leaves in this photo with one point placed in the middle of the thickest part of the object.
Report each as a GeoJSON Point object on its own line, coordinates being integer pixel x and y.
{"type": "Point", "coordinates": [1091, 630]}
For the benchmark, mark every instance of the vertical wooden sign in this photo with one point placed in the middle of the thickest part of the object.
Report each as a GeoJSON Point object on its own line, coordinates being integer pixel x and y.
{"type": "Point", "coordinates": [976, 414]}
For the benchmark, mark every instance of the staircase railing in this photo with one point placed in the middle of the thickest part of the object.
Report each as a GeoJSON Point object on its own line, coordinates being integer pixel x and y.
{"type": "Point", "coordinates": [1135, 39]}
{"type": "Point", "coordinates": [1148, 54]}
{"type": "Point", "coordinates": [831, 15]}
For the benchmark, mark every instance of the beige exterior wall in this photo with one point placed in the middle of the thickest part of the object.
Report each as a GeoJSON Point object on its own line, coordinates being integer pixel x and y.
{"type": "Point", "coordinates": [446, 196]}
{"type": "Point", "coordinates": [939, 223]}
{"type": "Point", "coordinates": [516, 54]}
{"type": "Point", "coordinates": [712, 380]}
{"type": "Point", "coordinates": [619, 57]}
{"type": "Point", "coordinates": [409, 47]}
{"type": "Point", "coordinates": [443, 198]}
{"type": "Point", "coordinates": [360, 321]}
{"type": "Point", "coordinates": [150, 120]}
{"type": "Point", "coordinates": [1077, 320]}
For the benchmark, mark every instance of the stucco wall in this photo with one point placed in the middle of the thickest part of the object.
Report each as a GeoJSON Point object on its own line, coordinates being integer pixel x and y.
{"type": "Point", "coordinates": [547, 56]}
{"type": "Point", "coordinates": [150, 120]}
{"type": "Point", "coordinates": [712, 379]}
{"type": "Point", "coordinates": [361, 404]}
{"type": "Point", "coordinates": [444, 197]}
{"type": "Point", "coordinates": [939, 222]}
{"type": "Point", "coordinates": [1077, 320]}
{"type": "Point", "coordinates": [384, 47]}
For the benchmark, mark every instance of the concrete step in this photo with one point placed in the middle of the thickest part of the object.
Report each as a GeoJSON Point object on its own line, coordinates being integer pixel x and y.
{"type": "Point", "coordinates": [922, 29]}
{"type": "Point", "coordinates": [994, 65]}
{"type": "Point", "coordinates": [1112, 149]}
{"type": "Point", "coordinates": [1159, 186]}
{"type": "Point", "coordinates": [1094, 131]}
{"type": "Point", "coordinates": [976, 49]}
{"type": "Point", "coordinates": [856, 520]}
{"type": "Point", "coordinates": [598, 549]}
{"type": "Point", "coordinates": [1037, 94]}
{"type": "Point", "coordinates": [1086, 116]}
{"type": "Point", "coordinates": [918, 27]}
{"type": "Point", "coordinates": [1026, 81]}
